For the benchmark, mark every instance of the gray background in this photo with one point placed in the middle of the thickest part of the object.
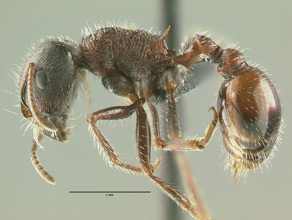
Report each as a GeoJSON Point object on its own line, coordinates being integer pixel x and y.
{"type": "Point", "coordinates": [262, 26]}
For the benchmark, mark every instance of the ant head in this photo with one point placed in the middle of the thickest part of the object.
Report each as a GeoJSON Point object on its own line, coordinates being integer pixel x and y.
{"type": "Point", "coordinates": [48, 86]}
{"type": "Point", "coordinates": [231, 63]}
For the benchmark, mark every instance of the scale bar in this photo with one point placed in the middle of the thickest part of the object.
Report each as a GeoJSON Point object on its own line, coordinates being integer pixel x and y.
{"type": "Point", "coordinates": [110, 192]}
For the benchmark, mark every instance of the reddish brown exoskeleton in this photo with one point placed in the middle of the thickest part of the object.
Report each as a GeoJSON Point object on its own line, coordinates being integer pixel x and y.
{"type": "Point", "coordinates": [138, 65]}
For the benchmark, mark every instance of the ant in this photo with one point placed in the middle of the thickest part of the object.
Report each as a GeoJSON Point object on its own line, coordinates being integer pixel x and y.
{"type": "Point", "coordinates": [138, 65]}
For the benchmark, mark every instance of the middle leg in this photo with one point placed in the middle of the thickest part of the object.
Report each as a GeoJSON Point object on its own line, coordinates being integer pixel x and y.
{"type": "Point", "coordinates": [143, 136]}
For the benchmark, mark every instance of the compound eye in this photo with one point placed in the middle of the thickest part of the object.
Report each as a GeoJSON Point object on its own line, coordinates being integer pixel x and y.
{"type": "Point", "coordinates": [41, 79]}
